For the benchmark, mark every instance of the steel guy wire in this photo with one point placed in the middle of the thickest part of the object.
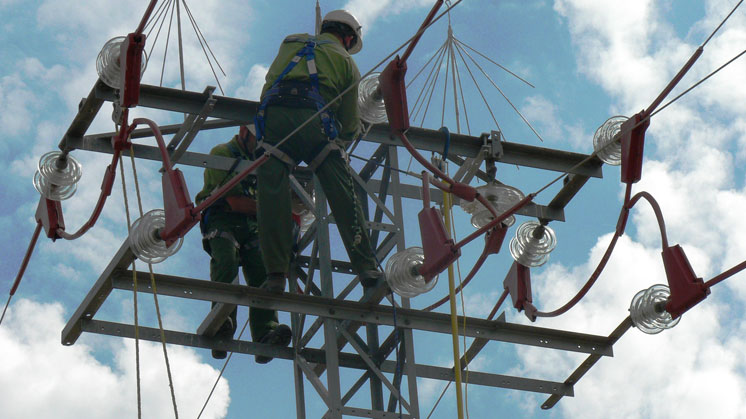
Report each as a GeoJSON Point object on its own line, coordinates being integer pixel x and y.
{"type": "Point", "coordinates": [162, 18]}
{"type": "Point", "coordinates": [493, 62]}
{"type": "Point", "coordinates": [437, 52]}
{"type": "Point", "coordinates": [222, 370]}
{"type": "Point", "coordinates": [503, 95]}
{"type": "Point", "coordinates": [165, 50]}
{"type": "Point", "coordinates": [196, 26]}
{"type": "Point", "coordinates": [420, 101]}
{"type": "Point", "coordinates": [200, 38]}
{"type": "Point", "coordinates": [479, 89]}
{"type": "Point", "coordinates": [463, 98]}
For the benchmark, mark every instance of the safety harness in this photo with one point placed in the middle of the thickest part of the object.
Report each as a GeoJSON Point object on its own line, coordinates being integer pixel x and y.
{"type": "Point", "coordinates": [299, 94]}
{"type": "Point", "coordinates": [207, 235]}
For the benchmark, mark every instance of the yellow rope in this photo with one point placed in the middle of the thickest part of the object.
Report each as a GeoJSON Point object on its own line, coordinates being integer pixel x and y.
{"type": "Point", "coordinates": [155, 295]}
{"type": "Point", "coordinates": [134, 293]}
{"type": "Point", "coordinates": [454, 319]}
{"type": "Point", "coordinates": [463, 314]}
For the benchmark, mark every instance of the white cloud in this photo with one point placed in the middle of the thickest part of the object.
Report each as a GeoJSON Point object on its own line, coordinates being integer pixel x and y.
{"type": "Point", "coordinates": [544, 116]}
{"type": "Point", "coordinates": [41, 378]}
{"type": "Point", "coordinates": [367, 12]}
{"type": "Point", "coordinates": [251, 88]}
{"type": "Point", "coordinates": [698, 366]}
{"type": "Point", "coordinates": [17, 105]}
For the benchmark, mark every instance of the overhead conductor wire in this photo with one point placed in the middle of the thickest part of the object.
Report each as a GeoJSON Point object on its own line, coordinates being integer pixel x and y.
{"type": "Point", "coordinates": [649, 112]}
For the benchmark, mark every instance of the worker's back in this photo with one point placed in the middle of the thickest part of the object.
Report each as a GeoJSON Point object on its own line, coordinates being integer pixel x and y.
{"type": "Point", "coordinates": [336, 71]}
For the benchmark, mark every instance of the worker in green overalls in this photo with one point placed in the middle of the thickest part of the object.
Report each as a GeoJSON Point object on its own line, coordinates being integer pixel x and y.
{"type": "Point", "coordinates": [308, 73]}
{"type": "Point", "coordinates": [231, 238]}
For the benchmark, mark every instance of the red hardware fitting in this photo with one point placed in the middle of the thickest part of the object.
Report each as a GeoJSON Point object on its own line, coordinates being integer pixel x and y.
{"type": "Point", "coordinates": [464, 191]}
{"type": "Point", "coordinates": [177, 206]}
{"type": "Point", "coordinates": [130, 61]}
{"type": "Point", "coordinates": [518, 284]}
{"type": "Point", "coordinates": [493, 240]}
{"type": "Point", "coordinates": [633, 143]}
{"type": "Point", "coordinates": [49, 215]}
{"type": "Point", "coordinates": [439, 250]}
{"type": "Point", "coordinates": [686, 289]}
{"type": "Point", "coordinates": [391, 83]}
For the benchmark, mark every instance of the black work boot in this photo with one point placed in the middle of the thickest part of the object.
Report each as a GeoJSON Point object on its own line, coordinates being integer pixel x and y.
{"type": "Point", "coordinates": [226, 331]}
{"type": "Point", "coordinates": [275, 282]}
{"type": "Point", "coordinates": [280, 336]}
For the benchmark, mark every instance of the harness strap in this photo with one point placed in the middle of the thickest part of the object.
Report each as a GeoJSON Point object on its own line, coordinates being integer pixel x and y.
{"type": "Point", "coordinates": [279, 154]}
{"type": "Point", "coordinates": [215, 233]}
{"type": "Point", "coordinates": [328, 148]}
{"type": "Point", "coordinates": [273, 94]}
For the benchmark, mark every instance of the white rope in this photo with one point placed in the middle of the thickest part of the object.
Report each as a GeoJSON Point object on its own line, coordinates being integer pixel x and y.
{"type": "Point", "coordinates": [134, 294]}
{"type": "Point", "coordinates": [155, 296]}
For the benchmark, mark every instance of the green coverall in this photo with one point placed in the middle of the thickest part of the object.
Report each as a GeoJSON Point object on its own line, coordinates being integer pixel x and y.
{"type": "Point", "coordinates": [336, 71]}
{"type": "Point", "coordinates": [231, 238]}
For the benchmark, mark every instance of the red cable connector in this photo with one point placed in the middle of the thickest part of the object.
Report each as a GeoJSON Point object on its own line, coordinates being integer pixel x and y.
{"type": "Point", "coordinates": [49, 215]}
{"type": "Point", "coordinates": [130, 60]}
{"type": "Point", "coordinates": [391, 82]}
{"type": "Point", "coordinates": [686, 289]}
{"type": "Point", "coordinates": [518, 284]}
{"type": "Point", "coordinates": [633, 143]}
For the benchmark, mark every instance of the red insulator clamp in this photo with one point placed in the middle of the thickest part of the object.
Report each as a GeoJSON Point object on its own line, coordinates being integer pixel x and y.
{"type": "Point", "coordinates": [633, 143]}
{"type": "Point", "coordinates": [130, 61]}
{"type": "Point", "coordinates": [439, 250]}
{"type": "Point", "coordinates": [391, 83]}
{"type": "Point", "coordinates": [493, 239]}
{"type": "Point", "coordinates": [177, 206]}
{"type": "Point", "coordinates": [686, 289]}
{"type": "Point", "coordinates": [49, 215]}
{"type": "Point", "coordinates": [518, 284]}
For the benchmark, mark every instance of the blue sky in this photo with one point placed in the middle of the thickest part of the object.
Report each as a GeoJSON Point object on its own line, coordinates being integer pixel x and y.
{"type": "Point", "coordinates": [587, 60]}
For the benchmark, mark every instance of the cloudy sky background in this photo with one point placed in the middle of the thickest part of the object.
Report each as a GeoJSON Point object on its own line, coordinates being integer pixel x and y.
{"type": "Point", "coordinates": [588, 61]}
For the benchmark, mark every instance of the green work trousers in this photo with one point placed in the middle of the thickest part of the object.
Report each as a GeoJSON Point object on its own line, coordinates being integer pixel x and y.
{"type": "Point", "coordinates": [275, 224]}
{"type": "Point", "coordinates": [234, 243]}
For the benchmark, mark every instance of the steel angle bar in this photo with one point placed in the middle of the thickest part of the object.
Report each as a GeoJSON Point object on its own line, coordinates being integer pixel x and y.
{"type": "Point", "coordinates": [369, 413]}
{"type": "Point", "coordinates": [317, 324]}
{"type": "Point", "coordinates": [165, 130]}
{"type": "Point", "coordinates": [313, 378]}
{"type": "Point", "coordinates": [317, 356]}
{"type": "Point", "coordinates": [589, 362]}
{"type": "Point", "coordinates": [570, 187]}
{"type": "Point", "coordinates": [493, 380]}
{"type": "Point", "coordinates": [185, 101]}
{"type": "Point", "coordinates": [374, 162]}
{"type": "Point", "coordinates": [337, 265]}
{"type": "Point", "coordinates": [243, 111]}
{"type": "Point", "coordinates": [514, 153]}
{"type": "Point", "coordinates": [436, 196]}
{"type": "Point", "coordinates": [87, 111]}
{"type": "Point", "coordinates": [97, 295]}
{"type": "Point", "coordinates": [372, 195]}
{"type": "Point", "coordinates": [102, 144]}
{"type": "Point", "coordinates": [216, 317]}
{"type": "Point", "coordinates": [374, 369]}
{"type": "Point", "coordinates": [194, 126]}
{"type": "Point", "coordinates": [369, 311]}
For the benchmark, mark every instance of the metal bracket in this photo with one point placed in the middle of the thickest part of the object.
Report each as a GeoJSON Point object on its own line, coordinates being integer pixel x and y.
{"type": "Point", "coordinates": [495, 145]}
{"type": "Point", "coordinates": [191, 126]}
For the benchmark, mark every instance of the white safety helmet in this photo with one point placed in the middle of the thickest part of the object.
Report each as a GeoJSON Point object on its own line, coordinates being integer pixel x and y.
{"type": "Point", "coordinates": [343, 16]}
